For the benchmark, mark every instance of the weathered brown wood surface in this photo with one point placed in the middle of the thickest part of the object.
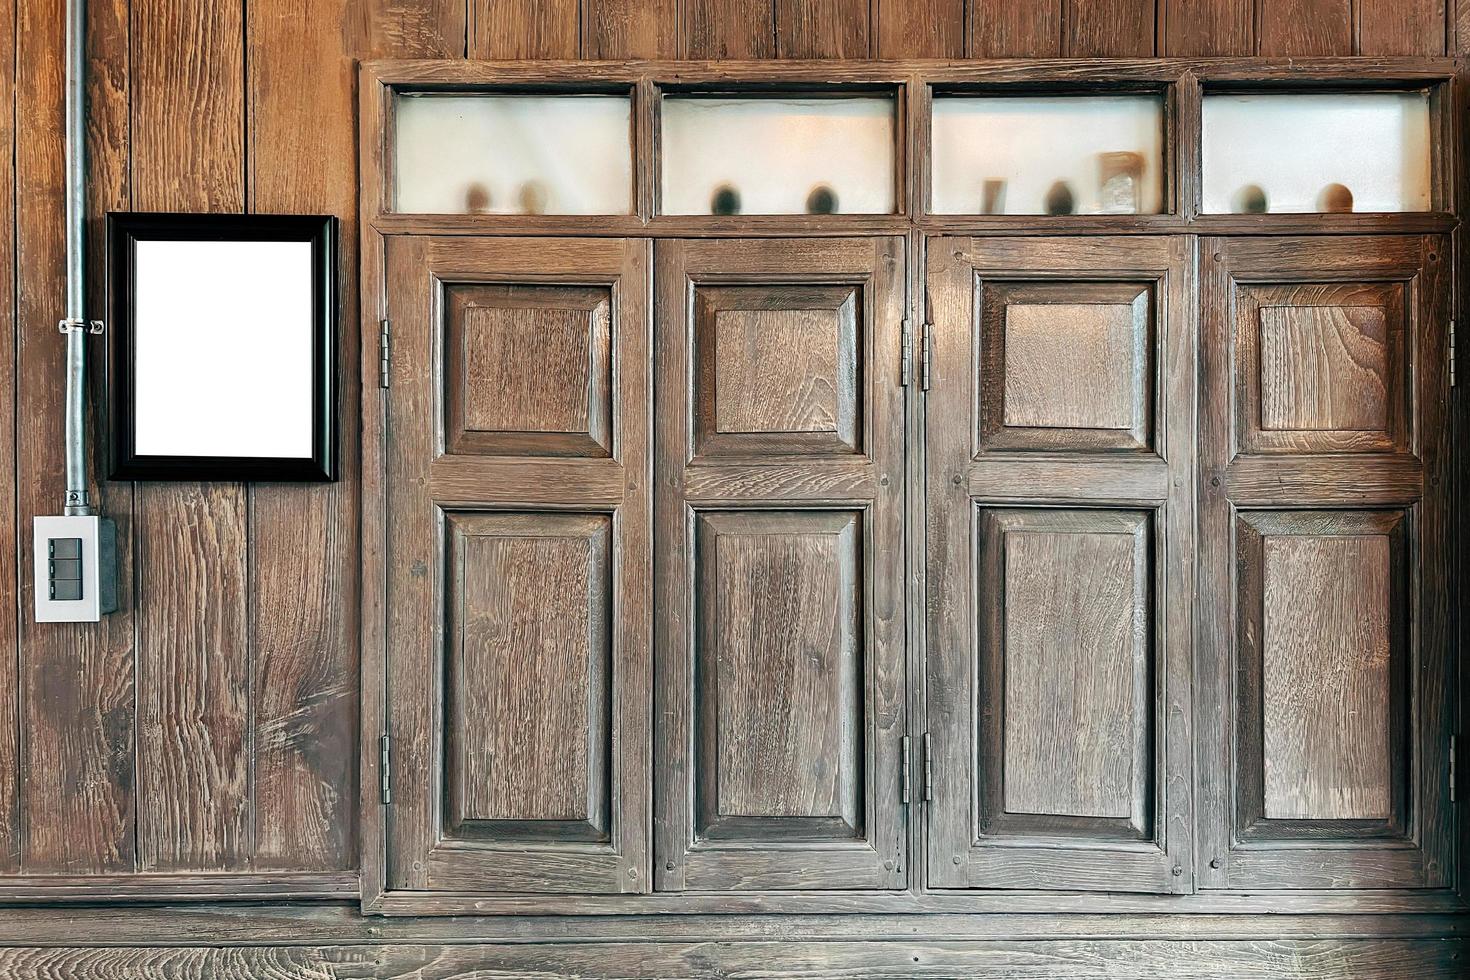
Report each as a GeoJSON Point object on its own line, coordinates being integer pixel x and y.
{"type": "Point", "coordinates": [1191, 960]}
{"type": "Point", "coordinates": [211, 725]}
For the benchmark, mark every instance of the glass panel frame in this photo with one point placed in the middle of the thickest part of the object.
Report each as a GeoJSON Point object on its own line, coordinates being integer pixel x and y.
{"type": "Point", "coordinates": [896, 142]}
{"type": "Point", "coordinates": [1156, 178]}
{"type": "Point", "coordinates": [528, 192]}
{"type": "Point", "coordinates": [1418, 192]}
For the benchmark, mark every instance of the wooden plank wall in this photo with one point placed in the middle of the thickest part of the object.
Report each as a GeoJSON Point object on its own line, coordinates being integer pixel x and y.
{"type": "Point", "coordinates": [211, 724]}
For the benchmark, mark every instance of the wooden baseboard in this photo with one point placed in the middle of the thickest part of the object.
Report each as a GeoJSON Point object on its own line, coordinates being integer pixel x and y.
{"type": "Point", "coordinates": [1362, 959]}
{"type": "Point", "coordinates": [267, 887]}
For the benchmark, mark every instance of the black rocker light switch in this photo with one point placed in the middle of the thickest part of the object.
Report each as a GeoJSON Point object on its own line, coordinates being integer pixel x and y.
{"type": "Point", "coordinates": [64, 568]}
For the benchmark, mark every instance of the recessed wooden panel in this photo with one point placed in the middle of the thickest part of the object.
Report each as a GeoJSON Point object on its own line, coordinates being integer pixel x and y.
{"type": "Point", "coordinates": [1324, 368]}
{"type": "Point", "coordinates": [528, 676]}
{"type": "Point", "coordinates": [528, 370]}
{"type": "Point", "coordinates": [1324, 660]}
{"type": "Point", "coordinates": [1321, 709]}
{"type": "Point", "coordinates": [776, 369]}
{"type": "Point", "coordinates": [1325, 670]}
{"type": "Point", "coordinates": [1320, 368]}
{"type": "Point", "coordinates": [1065, 365]}
{"type": "Point", "coordinates": [779, 678]}
{"type": "Point", "coordinates": [1065, 673]}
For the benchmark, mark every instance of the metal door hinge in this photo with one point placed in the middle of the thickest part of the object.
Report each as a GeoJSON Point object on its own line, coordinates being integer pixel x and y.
{"type": "Point", "coordinates": [1453, 378]}
{"type": "Point", "coordinates": [385, 353]}
{"type": "Point", "coordinates": [905, 763]}
{"type": "Point", "coordinates": [385, 769]}
{"type": "Point", "coordinates": [928, 768]}
{"type": "Point", "coordinates": [926, 357]}
{"type": "Point", "coordinates": [906, 355]}
{"type": "Point", "coordinates": [1454, 746]}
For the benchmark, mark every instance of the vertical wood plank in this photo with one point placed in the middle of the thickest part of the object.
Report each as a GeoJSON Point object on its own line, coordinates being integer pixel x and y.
{"type": "Point", "coordinates": [76, 681]}
{"type": "Point", "coordinates": [630, 29]}
{"type": "Point", "coordinates": [822, 28]}
{"type": "Point", "coordinates": [9, 584]}
{"type": "Point", "coordinates": [1301, 28]}
{"type": "Point", "coordinates": [1208, 28]}
{"type": "Point", "coordinates": [511, 29]}
{"type": "Point", "coordinates": [1110, 28]}
{"type": "Point", "coordinates": [729, 29]}
{"type": "Point", "coordinates": [1461, 30]}
{"type": "Point", "coordinates": [921, 28]}
{"type": "Point", "coordinates": [303, 538]}
{"type": "Point", "coordinates": [412, 28]}
{"type": "Point", "coordinates": [193, 649]}
{"type": "Point", "coordinates": [1015, 28]}
{"type": "Point", "coordinates": [1401, 27]}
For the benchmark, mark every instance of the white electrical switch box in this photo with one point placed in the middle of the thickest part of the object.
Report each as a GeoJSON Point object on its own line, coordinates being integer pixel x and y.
{"type": "Point", "coordinates": [76, 569]}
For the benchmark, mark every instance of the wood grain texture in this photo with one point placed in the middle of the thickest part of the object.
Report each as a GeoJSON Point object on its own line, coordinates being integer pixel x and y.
{"type": "Point", "coordinates": [1401, 27]}
{"type": "Point", "coordinates": [1248, 498]}
{"type": "Point", "coordinates": [920, 29]}
{"type": "Point", "coordinates": [303, 542]}
{"type": "Point", "coordinates": [1015, 28]}
{"type": "Point", "coordinates": [630, 28]}
{"type": "Point", "coordinates": [1071, 365]}
{"type": "Point", "coordinates": [1321, 367]}
{"type": "Point", "coordinates": [1110, 28]}
{"type": "Point", "coordinates": [1326, 677]}
{"type": "Point", "coordinates": [76, 699]}
{"type": "Point", "coordinates": [526, 558]}
{"type": "Point", "coordinates": [326, 925]}
{"type": "Point", "coordinates": [1066, 365]}
{"type": "Point", "coordinates": [1301, 28]}
{"type": "Point", "coordinates": [9, 581]}
{"type": "Point", "coordinates": [779, 676]}
{"type": "Point", "coordinates": [1208, 28]}
{"type": "Point", "coordinates": [777, 369]}
{"type": "Point", "coordinates": [194, 670]}
{"type": "Point", "coordinates": [529, 658]}
{"type": "Point", "coordinates": [1324, 368]}
{"type": "Point", "coordinates": [1293, 959]}
{"type": "Point", "coordinates": [823, 28]}
{"type": "Point", "coordinates": [412, 28]}
{"type": "Point", "coordinates": [780, 672]}
{"type": "Point", "coordinates": [528, 370]}
{"type": "Point", "coordinates": [973, 618]}
{"type": "Point", "coordinates": [721, 29]}
{"type": "Point", "coordinates": [510, 30]}
{"type": "Point", "coordinates": [1075, 658]}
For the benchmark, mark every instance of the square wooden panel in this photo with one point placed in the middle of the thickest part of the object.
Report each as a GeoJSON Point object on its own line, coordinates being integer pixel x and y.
{"type": "Point", "coordinates": [1066, 366]}
{"type": "Point", "coordinates": [528, 677]}
{"type": "Point", "coordinates": [1065, 674]}
{"type": "Point", "coordinates": [777, 369]}
{"type": "Point", "coordinates": [1321, 368]}
{"type": "Point", "coordinates": [1321, 710]}
{"type": "Point", "coordinates": [527, 370]}
{"type": "Point", "coordinates": [779, 699]}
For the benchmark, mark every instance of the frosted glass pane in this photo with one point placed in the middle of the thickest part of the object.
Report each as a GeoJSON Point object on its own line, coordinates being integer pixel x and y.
{"type": "Point", "coordinates": [513, 154]}
{"type": "Point", "coordinates": [775, 156]}
{"type": "Point", "coordinates": [1296, 153]}
{"type": "Point", "coordinates": [1047, 155]}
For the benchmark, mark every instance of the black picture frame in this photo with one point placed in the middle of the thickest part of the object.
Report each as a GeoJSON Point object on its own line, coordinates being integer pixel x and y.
{"type": "Point", "coordinates": [124, 231]}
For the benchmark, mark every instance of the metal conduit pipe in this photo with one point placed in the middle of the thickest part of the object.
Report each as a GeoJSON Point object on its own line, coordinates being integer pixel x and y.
{"type": "Point", "coordinates": [75, 555]}
{"type": "Point", "coordinates": [76, 327]}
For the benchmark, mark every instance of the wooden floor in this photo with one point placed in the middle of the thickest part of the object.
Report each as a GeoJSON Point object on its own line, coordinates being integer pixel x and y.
{"type": "Point", "coordinates": [256, 941]}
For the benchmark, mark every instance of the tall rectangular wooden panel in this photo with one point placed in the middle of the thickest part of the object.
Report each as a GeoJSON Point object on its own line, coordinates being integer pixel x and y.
{"type": "Point", "coordinates": [1323, 640]}
{"type": "Point", "coordinates": [779, 595]}
{"type": "Point", "coordinates": [518, 565]}
{"type": "Point", "coordinates": [1059, 452]}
